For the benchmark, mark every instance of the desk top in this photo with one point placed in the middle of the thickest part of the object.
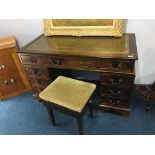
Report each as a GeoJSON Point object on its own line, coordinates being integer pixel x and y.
{"type": "Point", "coordinates": [124, 47]}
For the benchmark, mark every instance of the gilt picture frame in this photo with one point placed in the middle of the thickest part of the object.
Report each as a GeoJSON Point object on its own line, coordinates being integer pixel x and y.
{"type": "Point", "coordinates": [84, 27]}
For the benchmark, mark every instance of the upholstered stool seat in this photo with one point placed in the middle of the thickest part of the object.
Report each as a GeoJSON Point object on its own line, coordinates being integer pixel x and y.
{"type": "Point", "coordinates": [69, 96]}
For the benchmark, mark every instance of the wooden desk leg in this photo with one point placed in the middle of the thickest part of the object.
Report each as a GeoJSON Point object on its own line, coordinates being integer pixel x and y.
{"type": "Point", "coordinates": [80, 124]}
{"type": "Point", "coordinates": [51, 115]}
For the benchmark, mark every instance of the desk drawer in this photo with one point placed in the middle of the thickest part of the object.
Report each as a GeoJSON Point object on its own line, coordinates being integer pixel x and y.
{"type": "Point", "coordinates": [40, 82]}
{"type": "Point", "coordinates": [31, 59]}
{"type": "Point", "coordinates": [71, 62]}
{"type": "Point", "coordinates": [116, 65]}
{"type": "Point", "coordinates": [115, 91]}
{"type": "Point", "coordinates": [7, 63]}
{"type": "Point", "coordinates": [11, 83]}
{"type": "Point", "coordinates": [38, 77]}
{"type": "Point", "coordinates": [37, 72]}
{"type": "Point", "coordinates": [114, 101]}
{"type": "Point", "coordinates": [117, 80]}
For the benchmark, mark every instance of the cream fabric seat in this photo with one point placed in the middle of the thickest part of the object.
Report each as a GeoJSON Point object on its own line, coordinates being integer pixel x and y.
{"type": "Point", "coordinates": [69, 93]}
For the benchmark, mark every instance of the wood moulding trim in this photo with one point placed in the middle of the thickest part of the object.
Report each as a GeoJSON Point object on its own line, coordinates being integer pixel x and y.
{"type": "Point", "coordinates": [112, 30]}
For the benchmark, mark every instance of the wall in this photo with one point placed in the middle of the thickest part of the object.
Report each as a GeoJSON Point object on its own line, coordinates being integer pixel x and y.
{"type": "Point", "coordinates": [27, 29]}
{"type": "Point", "coordinates": [145, 34]}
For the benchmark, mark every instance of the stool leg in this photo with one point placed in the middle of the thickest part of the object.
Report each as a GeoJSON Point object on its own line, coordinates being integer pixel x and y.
{"type": "Point", "coordinates": [51, 115]}
{"type": "Point", "coordinates": [80, 124]}
{"type": "Point", "coordinates": [90, 109]}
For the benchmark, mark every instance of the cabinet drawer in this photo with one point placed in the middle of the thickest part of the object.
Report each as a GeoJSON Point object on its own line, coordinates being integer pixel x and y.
{"type": "Point", "coordinates": [86, 63]}
{"type": "Point", "coordinates": [56, 61]}
{"type": "Point", "coordinates": [114, 101]}
{"type": "Point", "coordinates": [38, 76]}
{"type": "Point", "coordinates": [31, 59]}
{"type": "Point", "coordinates": [41, 82]}
{"type": "Point", "coordinates": [115, 91]}
{"type": "Point", "coordinates": [117, 80]}
{"type": "Point", "coordinates": [116, 65]}
{"type": "Point", "coordinates": [71, 62]}
{"type": "Point", "coordinates": [7, 64]}
{"type": "Point", "coordinates": [37, 72]}
{"type": "Point", "coordinates": [11, 83]}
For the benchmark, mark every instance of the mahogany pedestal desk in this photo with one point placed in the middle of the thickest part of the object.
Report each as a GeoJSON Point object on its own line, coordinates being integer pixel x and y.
{"type": "Point", "coordinates": [113, 58]}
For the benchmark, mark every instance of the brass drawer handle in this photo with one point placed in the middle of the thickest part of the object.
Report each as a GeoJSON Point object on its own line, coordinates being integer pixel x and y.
{"type": "Point", "coordinates": [33, 59]}
{"type": "Point", "coordinates": [37, 72]}
{"type": "Point", "coordinates": [115, 65]}
{"type": "Point", "coordinates": [117, 101]}
{"type": "Point", "coordinates": [26, 69]}
{"type": "Point", "coordinates": [111, 101]}
{"type": "Point", "coordinates": [8, 82]}
{"type": "Point", "coordinates": [12, 81]}
{"type": "Point", "coordinates": [114, 82]}
{"type": "Point", "coordinates": [56, 61]}
{"type": "Point", "coordinates": [41, 82]}
{"type": "Point", "coordinates": [2, 67]}
{"type": "Point", "coordinates": [85, 65]}
{"type": "Point", "coordinates": [117, 93]}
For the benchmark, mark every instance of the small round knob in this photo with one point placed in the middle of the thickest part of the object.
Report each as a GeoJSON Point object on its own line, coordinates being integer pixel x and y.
{"type": "Point", "coordinates": [6, 82]}
{"type": "Point", "coordinates": [58, 62]}
{"type": "Point", "coordinates": [12, 80]}
{"type": "Point", "coordinates": [119, 92]}
{"type": "Point", "coordinates": [3, 66]}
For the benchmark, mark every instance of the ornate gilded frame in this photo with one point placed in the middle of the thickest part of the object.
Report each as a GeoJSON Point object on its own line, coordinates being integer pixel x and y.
{"type": "Point", "coordinates": [116, 29]}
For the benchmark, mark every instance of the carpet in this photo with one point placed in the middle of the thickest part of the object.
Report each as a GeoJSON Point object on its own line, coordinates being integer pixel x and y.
{"type": "Point", "coordinates": [23, 115]}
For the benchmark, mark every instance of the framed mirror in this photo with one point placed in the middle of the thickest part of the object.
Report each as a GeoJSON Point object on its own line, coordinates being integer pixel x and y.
{"type": "Point", "coordinates": [84, 27]}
